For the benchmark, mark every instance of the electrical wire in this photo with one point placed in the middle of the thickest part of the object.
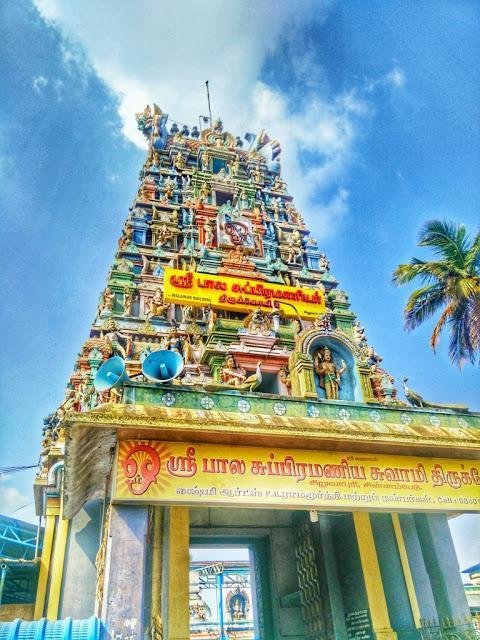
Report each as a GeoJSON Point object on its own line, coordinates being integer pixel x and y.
{"type": "Point", "coordinates": [5, 471]}
{"type": "Point", "coordinates": [19, 508]}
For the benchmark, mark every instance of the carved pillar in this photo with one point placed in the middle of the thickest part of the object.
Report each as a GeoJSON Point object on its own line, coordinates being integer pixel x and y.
{"type": "Point", "coordinates": [366, 384]}
{"type": "Point", "coordinates": [301, 370]}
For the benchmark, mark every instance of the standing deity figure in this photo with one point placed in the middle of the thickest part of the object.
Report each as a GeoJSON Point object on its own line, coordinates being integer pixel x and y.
{"type": "Point", "coordinates": [328, 372]}
{"type": "Point", "coordinates": [169, 188]}
{"type": "Point", "coordinates": [257, 241]}
{"type": "Point", "coordinates": [108, 301]}
{"type": "Point", "coordinates": [243, 202]}
{"type": "Point", "coordinates": [193, 351]}
{"type": "Point", "coordinates": [84, 393]}
{"type": "Point", "coordinates": [208, 230]}
{"type": "Point", "coordinates": [257, 175]}
{"type": "Point", "coordinates": [204, 192]}
{"type": "Point", "coordinates": [286, 379]}
{"type": "Point", "coordinates": [231, 374]}
{"type": "Point", "coordinates": [187, 314]}
{"type": "Point", "coordinates": [128, 297]}
{"type": "Point", "coordinates": [155, 164]}
{"type": "Point", "coordinates": [324, 262]}
{"type": "Point", "coordinates": [205, 160]}
{"type": "Point", "coordinates": [294, 254]}
{"type": "Point", "coordinates": [276, 209]}
{"type": "Point", "coordinates": [211, 319]}
{"type": "Point", "coordinates": [174, 341]}
{"type": "Point", "coordinates": [126, 238]}
{"type": "Point", "coordinates": [179, 161]}
{"type": "Point", "coordinates": [234, 166]}
{"type": "Point", "coordinates": [157, 306]}
{"type": "Point", "coordinates": [114, 337]}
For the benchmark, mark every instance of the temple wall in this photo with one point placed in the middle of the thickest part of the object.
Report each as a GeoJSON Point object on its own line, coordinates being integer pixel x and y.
{"type": "Point", "coordinates": [80, 573]}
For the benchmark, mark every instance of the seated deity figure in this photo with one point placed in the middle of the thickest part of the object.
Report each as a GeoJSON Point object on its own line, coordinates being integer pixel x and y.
{"type": "Point", "coordinates": [231, 374]}
{"type": "Point", "coordinates": [328, 372]}
{"type": "Point", "coordinates": [157, 306]}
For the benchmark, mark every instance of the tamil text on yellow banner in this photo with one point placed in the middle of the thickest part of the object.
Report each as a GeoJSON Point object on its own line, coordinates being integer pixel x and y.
{"type": "Point", "coordinates": [203, 474]}
{"type": "Point", "coordinates": [239, 294]}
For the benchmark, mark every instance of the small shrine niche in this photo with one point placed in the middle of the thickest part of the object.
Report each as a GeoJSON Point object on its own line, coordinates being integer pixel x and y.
{"type": "Point", "coordinates": [238, 604]}
{"type": "Point", "coordinates": [334, 370]}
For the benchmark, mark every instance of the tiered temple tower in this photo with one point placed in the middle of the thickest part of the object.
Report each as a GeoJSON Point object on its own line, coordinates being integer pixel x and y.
{"type": "Point", "coordinates": [227, 395]}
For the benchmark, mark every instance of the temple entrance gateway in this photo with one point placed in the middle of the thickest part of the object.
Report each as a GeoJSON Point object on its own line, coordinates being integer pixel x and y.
{"type": "Point", "coordinates": [227, 399]}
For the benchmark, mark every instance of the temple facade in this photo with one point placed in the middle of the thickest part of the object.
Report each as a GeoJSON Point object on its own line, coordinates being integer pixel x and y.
{"type": "Point", "coordinates": [228, 398]}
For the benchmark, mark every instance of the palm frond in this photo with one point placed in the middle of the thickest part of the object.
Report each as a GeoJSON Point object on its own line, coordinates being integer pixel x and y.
{"type": "Point", "coordinates": [425, 271]}
{"type": "Point", "coordinates": [446, 314]}
{"type": "Point", "coordinates": [461, 348]}
{"type": "Point", "coordinates": [473, 259]}
{"type": "Point", "coordinates": [422, 304]}
{"type": "Point", "coordinates": [451, 282]}
{"type": "Point", "coordinates": [447, 239]}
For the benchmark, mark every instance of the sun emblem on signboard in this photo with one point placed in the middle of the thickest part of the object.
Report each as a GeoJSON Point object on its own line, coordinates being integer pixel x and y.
{"type": "Point", "coordinates": [141, 464]}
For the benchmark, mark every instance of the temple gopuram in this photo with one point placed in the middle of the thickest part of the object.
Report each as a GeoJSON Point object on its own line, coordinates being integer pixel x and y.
{"type": "Point", "coordinates": [227, 397]}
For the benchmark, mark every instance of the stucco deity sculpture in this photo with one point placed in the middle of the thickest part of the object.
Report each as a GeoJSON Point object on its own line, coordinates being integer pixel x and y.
{"type": "Point", "coordinates": [164, 235]}
{"type": "Point", "coordinates": [208, 229]}
{"type": "Point", "coordinates": [234, 166]}
{"type": "Point", "coordinates": [169, 188]}
{"type": "Point", "coordinates": [157, 306]}
{"type": "Point", "coordinates": [294, 255]}
{"type": "Point", "coordinates": [231, 374]}
{"type": "Point", "coordinates": [174, 341]}
{"type": "Point", "coordinates": [324, 262]}
{"type": "Point", "coordinates": [179, 161]}
{"type": "Point", "coordinates": [328, 372]}
{"type": "Point", "coordinates": [117, 339]}
{"type": "Point", "coordinates": [204, 192]}
{"type": "Point", "coordinates": [128, 298]}
{"type": "Point", "coordinates": [258, 322]}
{"type": "Point", "coordinates": [108, 301]}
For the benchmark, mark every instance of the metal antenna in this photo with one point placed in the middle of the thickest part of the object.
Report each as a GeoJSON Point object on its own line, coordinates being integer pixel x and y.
{"type": "Point", "coordinates": [208, 98]}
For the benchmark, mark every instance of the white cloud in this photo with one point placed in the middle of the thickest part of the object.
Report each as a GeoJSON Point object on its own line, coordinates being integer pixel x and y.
{"type": "Point", "coordinates": [11, 498]}
{"type": "Point", "coordinates": [39, 83]}
{"type": "Point", "coordinates": [396, 77]}
{"type": "Point", "coordinates": [164, 52]}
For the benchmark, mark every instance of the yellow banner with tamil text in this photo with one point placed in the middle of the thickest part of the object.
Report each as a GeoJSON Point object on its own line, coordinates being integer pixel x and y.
{"type": "Point", "coordinates": [209, 475]}
{"type": "Point", "coordinates": [239, 294]}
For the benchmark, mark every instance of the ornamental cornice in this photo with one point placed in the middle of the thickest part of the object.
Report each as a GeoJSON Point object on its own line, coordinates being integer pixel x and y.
{"type": "Point", "coordinates": [307, 338]}
{"type": "Point", "coordinates": [314, 431]}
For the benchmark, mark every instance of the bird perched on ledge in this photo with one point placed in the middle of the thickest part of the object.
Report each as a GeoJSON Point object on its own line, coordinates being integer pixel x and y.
{"type": "Point", "coordinates": [416, 400]}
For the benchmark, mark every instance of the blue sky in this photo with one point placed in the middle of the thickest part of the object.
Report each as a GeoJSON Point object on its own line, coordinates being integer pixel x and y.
{"type": "Point", "coordinates": [376, 106]}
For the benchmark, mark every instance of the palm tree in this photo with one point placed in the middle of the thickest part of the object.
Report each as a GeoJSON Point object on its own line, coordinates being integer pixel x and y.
{"type": "Point", "coordinates": [450, 284]}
